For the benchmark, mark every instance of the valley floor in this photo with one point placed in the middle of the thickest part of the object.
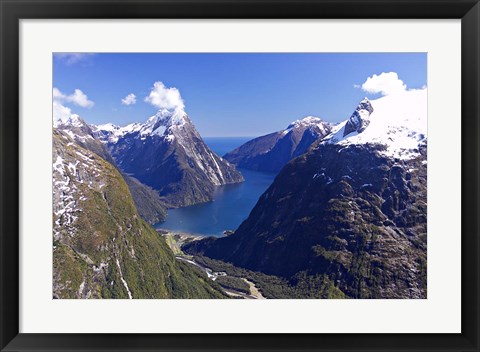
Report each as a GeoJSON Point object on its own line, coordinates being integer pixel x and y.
{"type": "Point", "coordinates": [233, 285]}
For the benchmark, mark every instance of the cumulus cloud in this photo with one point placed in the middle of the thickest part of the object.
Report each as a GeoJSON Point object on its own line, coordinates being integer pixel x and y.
{"type": "Point", "coordinates": [57, 94]}
{"type": "Point", "coordinates": [386, 83]}
{"type": "Point", "coordinates": [129, 99]}
{"type": "Point", "coordinates": [73, 58]}
{"type": "Point", "coordinates": [78, 98]}
{"type": "Point", "coordinates": [62, 112]}
{"type": "Point", "coordinates": [165, 98]}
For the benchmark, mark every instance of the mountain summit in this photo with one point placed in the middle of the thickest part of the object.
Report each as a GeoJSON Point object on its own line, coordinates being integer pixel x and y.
{"type": "Point", "coordinates": [162, 124]}
{"type": "Point", "coordinates": [359, 119]}
{"type": "Point", "coordinates": [272, 151]}
{"type": "Point", "coordinates": [397, 123]}
{"type": "Point", "coordinates": [168, 154]}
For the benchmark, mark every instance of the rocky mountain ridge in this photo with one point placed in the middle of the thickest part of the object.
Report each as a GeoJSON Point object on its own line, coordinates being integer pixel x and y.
{"type": "Point", "coordinates": [271, 152]}
{"type": "Point", "coordinates": [397, 123]}
{"type": "Point", "coordinates": [150, 205]}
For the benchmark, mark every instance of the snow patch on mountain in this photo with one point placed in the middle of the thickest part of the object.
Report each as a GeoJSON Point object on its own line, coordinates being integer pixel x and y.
{"type": "Point", "coordinates": [70, 174]}
{"type": "Point", "coordinates": [398, 122]}
{"type": "Point", "coordinates": [70, 120]}
{"type": "Point", "coordinates": [123, 280]}
{"type": "Point", "coordinates": [169, 132]}
{"type": "Point", "coordinates": [306, 122]}
{"type": "Point", "coordinates": [110, 133]}
{"type": "Point", "coordinates": [74, 127]}
{"type": "Point", "coordinates": [163, 124]}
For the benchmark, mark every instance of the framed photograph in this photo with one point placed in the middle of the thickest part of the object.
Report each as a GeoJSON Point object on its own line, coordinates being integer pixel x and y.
{"type": "Point", "coordinates": [240, 176]}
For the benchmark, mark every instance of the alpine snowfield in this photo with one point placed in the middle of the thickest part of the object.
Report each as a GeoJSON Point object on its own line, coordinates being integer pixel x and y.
{"type": "Point", "coordinates": [398, 122]}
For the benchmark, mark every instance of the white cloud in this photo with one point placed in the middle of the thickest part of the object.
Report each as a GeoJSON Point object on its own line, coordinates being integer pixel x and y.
{"type": "Point", "coordinates": [62, 113]}
{"type": "Point", "coordinates": [73, 58]}
{"type": "Point", "coordinates": [57, 95]}
{"type": "Point", "coordinates": [78, 98]}
{"type": "Point", "coordinates": [386, 83]}
{"type": "Point", "coordinates": [165, 98]}
{"type": "Point", "coordinates": [129, 99]}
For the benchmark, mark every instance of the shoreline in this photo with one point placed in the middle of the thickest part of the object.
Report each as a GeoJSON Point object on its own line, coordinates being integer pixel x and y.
{"type": "Point", "coordinates": [163, 231]}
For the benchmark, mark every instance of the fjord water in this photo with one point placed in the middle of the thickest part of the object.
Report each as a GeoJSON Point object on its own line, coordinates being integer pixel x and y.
{"type": "Point", "coordinates": [232, 203]}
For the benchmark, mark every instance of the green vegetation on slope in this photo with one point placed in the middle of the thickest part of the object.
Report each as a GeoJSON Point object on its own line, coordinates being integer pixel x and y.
{"type": "Point", "coordinates": [150, 206]}
{"type": "Point", "coordinates": [102, 248]}
{"type": "Point", "coordinates": [233, 283]}
{"type": "Point", "coordinates": [274, 286]}
{"type": "Point", "coordinates": [337, 222]}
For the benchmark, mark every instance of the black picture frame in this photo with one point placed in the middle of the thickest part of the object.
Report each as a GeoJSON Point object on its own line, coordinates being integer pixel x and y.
{"type": "Point", "coordinates": [12, 11]}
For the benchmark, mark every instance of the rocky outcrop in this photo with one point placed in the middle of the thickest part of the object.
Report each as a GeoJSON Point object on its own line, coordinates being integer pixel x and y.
{"type": "Point", "coordinates": [359, 119]}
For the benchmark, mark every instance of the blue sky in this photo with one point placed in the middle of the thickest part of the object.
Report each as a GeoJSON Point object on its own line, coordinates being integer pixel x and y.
{"type": "Point", "coordinates": [232, 94]}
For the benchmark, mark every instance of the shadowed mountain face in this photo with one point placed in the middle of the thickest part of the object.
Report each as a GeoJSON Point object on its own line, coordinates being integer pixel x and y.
{"type": "Point", "coordinates": [271, 152]}
{"type": "Point", "coordinates": [349, 216]}
{"type": "Point", "coordinates": [101, 247]}
{"type": "Point", "coordinates": [353, 219]}
{"type": "Point", "coordinates": [167, 154]}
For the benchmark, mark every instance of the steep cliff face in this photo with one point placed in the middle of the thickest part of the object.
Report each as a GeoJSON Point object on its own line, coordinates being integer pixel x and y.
{"type": "Point", "coordinates": [101, 246]}
{"type": "Point", "coordinates": [350, 215]}
{"type": "Point", "coordinates": [272, 151]}
{"type": "Point", "coordinates": [167, 154]}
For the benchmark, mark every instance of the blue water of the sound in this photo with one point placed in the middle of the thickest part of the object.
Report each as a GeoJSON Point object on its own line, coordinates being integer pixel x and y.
{"type": "Point", "coordinates": [231, 205]}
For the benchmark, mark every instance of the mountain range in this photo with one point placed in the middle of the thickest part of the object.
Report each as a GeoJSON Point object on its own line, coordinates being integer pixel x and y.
{"type": "Point", "coordinates": [344, 218]}
{"type": "Point", "coordinates": [150, 205]}
{"type": "Point", "coordinates": [168, 154]}
{"type": "Point", "coordinates": [347, 218]}
{"type": "Point", "coordinates": [101, 246]}
{"type": "Point", "coordinates": [271, 152]}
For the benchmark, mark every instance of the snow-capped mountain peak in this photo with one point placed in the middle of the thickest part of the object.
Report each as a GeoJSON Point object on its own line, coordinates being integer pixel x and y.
{"type": "Point", "coordinates": [163, 123]}
{"type": "Point", "coordinates": [75, 127]}
{"type": "Point", "coordinates": [398, 122]}
{"type": "Point", "coordinates": [110, 133]}
{"type": "Point", "coordinates": [108, 127]}
{"type": "Point", "coordinates": [307, 122]}
{"type": "Point", "coordinates": [71, 120]}
{"type": "Point", "coordinates": [169, 117]}
{"type": "Point", "coordinates": [168, 141]}
{"type": "Point", "coordinates": [360, 118]}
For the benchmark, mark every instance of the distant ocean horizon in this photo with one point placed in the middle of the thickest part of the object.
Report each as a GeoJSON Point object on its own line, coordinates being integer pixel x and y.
{"type": "Point", "coordinates": [223, 145]}
{"type": "Point", "coordinates": [232, 203]}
